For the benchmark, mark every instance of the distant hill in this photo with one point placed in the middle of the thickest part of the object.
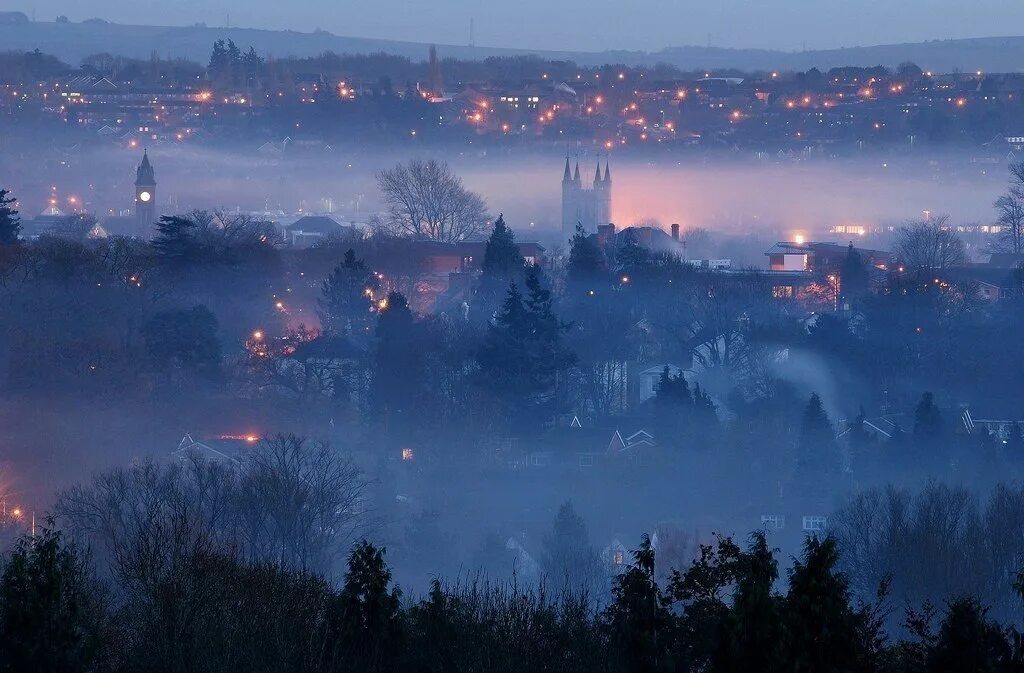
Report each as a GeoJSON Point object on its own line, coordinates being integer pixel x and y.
{"type": "Point", "coordinates": [73, 41]}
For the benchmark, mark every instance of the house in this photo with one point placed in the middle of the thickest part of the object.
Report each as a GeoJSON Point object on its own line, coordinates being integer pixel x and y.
{"type": "Point", "coordinates": [312, 229]}
{"type": "Point", "coordinates": [992, 283]}
{"type": "Point", "coordinates": [228, 449]}
{"type": "Point", "coordinates": [820, 257]}
{"type": "Point", "coordinates": [575, 446]}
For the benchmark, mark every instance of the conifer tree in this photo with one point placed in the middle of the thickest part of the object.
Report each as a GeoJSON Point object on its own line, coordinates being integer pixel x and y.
{"type": "Point", "coordinates": [587, 264]}
{"type": "Point", "coordinates": [51, 617]}
{"type": "Point", "coordinates": [640, 624]}
{"type": "Point", "coordinates": [366, 619]}
{"type": "Point", "coordinates": [10, 223]}
{"type": "Point", "coordinates": [346, 296]}
{"type": "Point", "coordinates": [824, 633]}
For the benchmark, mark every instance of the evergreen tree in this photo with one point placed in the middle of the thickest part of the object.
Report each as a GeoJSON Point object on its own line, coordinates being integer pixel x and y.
{"type": "Point", "coordinates": [824, 634]}
{"type": "Point", "coordinates": [218, 59]}
{"type": "Point", "coordinates": [702, 590]}
{"type": "Point", "coordinates": [175, 240]}
{"type": "Point", "coordinates": [853, 274]}
{"type": "Point", "coordinates": [673, 407]}
{"type": "Point", "coordinates": [51, 614]}
{"type": "Point", "coordinates": [10, 223]}
{"type": "Point", "coordinates": [346, 297]}
{"type": "Point", "coordinates": [366, 619]}
{"type": "Point", "coordinates": [523, 355]}
{"type": "Point", "coordinates": [399, 372]}
{"type": "Point", "coordinates": [816, 444]}
{"type": "Point", "coordinates": [569, 560]}
{"type": "Point", "coordinates": [502, 264]}
{"type": "Point", "coordinates": [587, 264]}
{"type": "Point", "coordinates": [751, 636]}
{"type": "Point", "coordinates": [928, 424]}
{"type": "Point", "coordinates": [639, 622]}
{"type": "Point", "coordinates": [502, 261]}
{"type": "Point", "coordinates": [632, 260]}
{"type": "Point", "coordinates": [967, 642]}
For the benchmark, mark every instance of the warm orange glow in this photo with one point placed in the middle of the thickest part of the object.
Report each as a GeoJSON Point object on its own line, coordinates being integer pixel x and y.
{"type": "Point", "coordinates": [408, 454]}
{"type": "Point", "coordinates": [257, 335]}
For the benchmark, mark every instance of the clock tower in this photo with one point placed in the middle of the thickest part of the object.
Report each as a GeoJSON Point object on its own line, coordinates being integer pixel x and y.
{"type": "Point", "coordinates": [145, 194]}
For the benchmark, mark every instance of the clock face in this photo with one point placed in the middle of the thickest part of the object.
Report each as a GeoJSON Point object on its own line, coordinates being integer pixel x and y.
{"type": "Point", "coordinates": [145, 197]}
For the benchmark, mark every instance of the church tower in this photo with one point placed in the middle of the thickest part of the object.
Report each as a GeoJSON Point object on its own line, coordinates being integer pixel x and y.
{"type": "Point", "coordinates": [604, 195]}
{"type": "Point", "coordinates": [145, 195]}
{"type": "Point", "coordinates": [570, 200]}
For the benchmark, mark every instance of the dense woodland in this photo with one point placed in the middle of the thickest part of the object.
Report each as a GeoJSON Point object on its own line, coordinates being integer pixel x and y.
{"type": "Point", "coordinates": [190, 608]}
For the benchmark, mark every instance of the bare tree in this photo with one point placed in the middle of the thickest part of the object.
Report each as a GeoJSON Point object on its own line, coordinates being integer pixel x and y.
{"type": "Point", "coordinates": [1010, 213]}
{"type": "Point", "coordinates": [930, 244]}
{"type": "Point", "coordinates": [426, 200]}
{"type": "Point", "coordinates": [301, 502]}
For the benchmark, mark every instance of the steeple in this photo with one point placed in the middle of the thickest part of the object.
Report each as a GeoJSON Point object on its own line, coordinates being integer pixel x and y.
{"type": "Point", "coordinates": [597, 174]}
{"type": "Point", "coordinates": [567, 176]}
{"type": "Point", "coordinates": [144, 174]}
{"type": "Point", "coordinates": [607, 173]}
{"type": "Point", "coordinates": [576, 175]}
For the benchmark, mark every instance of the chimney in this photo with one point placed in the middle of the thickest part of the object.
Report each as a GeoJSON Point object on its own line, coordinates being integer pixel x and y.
{"type": "Point", "coordinates": [605, 233]}
{"type": "Point", "coordinates": [675, 231]}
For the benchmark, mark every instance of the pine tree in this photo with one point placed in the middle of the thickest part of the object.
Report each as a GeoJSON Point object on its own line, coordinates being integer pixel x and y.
{"type": "Point", "coordinates": [632, 260]}
{"type": "Point", "coordinates": [639, 621]}
{"type": "Point", "coordinates": [569, 560]}
{"type": "Point", "coordinates": [816, 444]}
{"type": "Point", "coordinates": [587, 264]}
{"type": "Point", "coordinates": [51, 617]}
{"type": "Point", "coordinates": [346, 297]}
{"type": "Point", "coordinates": [967, 642]}
{"type": "Point", "coordinates": [751, 636]}
{"type": "Point", "coordinates": [10, 223]}
{"type": "Point", "coordinates": [673, 407]}
{"type": "Point", "coordinates": [399, 373]}
{"type": "Point", "coordinates": [824, 634]}
{"type": "Point", "coordinates": [502, 262]}
{"type": "Point", "coordinates": [523, 355]}
{"type": "Point", "coordinates": [367, 614]}
{"type": "Point", "coordinates": [175, 239]}
{"type": "Point", "coordinates": [927, 419]}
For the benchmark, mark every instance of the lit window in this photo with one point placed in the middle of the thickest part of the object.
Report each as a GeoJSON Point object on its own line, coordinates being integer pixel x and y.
{"type": "Point", "coordinates": [773, 521]}
{"type": "Point", "coordinates": [815, 524]}
{"type": "Point", "coordinates": [618, 558]}
{"type": "Point", "coordinates": [408, 454]}
{"type": "Point", "coordinates": [782, 292]}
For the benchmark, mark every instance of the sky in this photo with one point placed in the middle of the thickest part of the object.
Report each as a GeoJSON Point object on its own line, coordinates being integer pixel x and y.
{"type": "Point", "coordinates": [591, 25]}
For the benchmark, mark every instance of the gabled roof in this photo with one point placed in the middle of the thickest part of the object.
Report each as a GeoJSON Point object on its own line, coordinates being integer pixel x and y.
{"type": "Point", "coordinates": [221, 449]}
{"type": "Point", "coordinates": [315, 224]}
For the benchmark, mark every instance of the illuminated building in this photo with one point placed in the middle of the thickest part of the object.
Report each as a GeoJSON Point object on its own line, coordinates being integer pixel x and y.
{"type": "Point", "coordinates": [145, 194]}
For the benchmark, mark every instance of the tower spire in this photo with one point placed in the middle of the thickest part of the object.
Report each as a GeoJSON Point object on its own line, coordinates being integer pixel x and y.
{"type": "Point", "coordinates": [576, 174]}
{"type": "Point", "coordinates": [567, 176]}
{"type": "Point", "coordinates": [607, 173]}
{"type": "Point", "coordinates": [597, 173]}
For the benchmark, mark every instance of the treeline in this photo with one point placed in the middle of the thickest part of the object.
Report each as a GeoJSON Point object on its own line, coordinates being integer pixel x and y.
{"type": "Point", "coordinates": [213, 612]}
{"type": "Point", "coordinates": [242, 66]}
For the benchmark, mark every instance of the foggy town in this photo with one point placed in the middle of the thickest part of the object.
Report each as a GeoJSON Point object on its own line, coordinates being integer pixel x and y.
{"type": "Point", "coordinates": [324, 353]}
